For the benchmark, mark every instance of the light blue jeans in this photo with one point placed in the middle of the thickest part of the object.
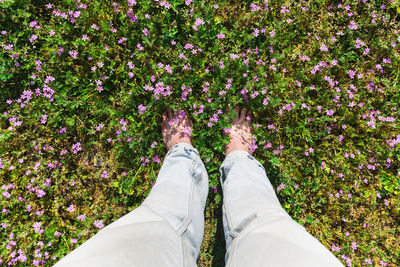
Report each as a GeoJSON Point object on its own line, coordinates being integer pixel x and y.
{"type": "Point", "coordinates": [167, 229]}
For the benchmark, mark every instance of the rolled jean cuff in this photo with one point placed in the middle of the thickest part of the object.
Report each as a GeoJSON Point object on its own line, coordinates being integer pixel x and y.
{"type": "Point", "coordinates": [235, 155]}
{"type": "Point", "coordinates": [183, 146]}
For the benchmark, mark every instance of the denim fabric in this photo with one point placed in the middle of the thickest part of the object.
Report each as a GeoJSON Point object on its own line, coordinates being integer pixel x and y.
{"type": "Point", "coordinates": [167, 229]}
{"type": "Point", "coordinates": [258, 231]}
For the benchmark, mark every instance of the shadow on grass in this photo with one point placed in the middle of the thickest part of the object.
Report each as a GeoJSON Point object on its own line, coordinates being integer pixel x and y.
{"type": "Point", "coordinates": [219, 247]}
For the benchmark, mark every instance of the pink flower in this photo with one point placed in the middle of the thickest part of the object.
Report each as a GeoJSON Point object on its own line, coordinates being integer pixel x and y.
{"type": "Point", "coordinates": [254, 7]}
{"type": "Point", "coordinates": [76, 147]}
{"type": "Point", "coordinates": [44, 119]}
{"type": "Point", "coordinates": [354, 245]}
{"type": "Point", "coordinates": [197, 23]}
{"type": "Point", "coordinates": [71, 208]}
{"type": "Point", "coordinates": [73, 53]}
{"type": "Point", "coordinates": [324, 48]}
{"type": "Point", "coordinates": [335, 247]}
{"type": "Point", "coordinates": [37, 227]}
{"type": "Point", "coordinates": [353, 25]}
{"type": "Point", "coordinates": [368, 261]}
{"type": "Point", "coordinates": [322, 165]}
{"type": "Point", "coordinates": [33, 38]}
{"type": "Point", "coordinates": [40, 193]}
{"type": "Point", "coordinates": [188, 131]}
{"type": "Point", "coordinates": [352, 73]}
{"type": "Point", "coordinates": [99, 224]}
{"type": "Point", "coordinates": [141, 108]}
{"type": "Point", "coordinates": [220, 36]}
{"type": "Point", "coordinates": [99, 127]}
{"type": "Point", "coordinates": [156, 159]}
{"type": "Point", "coordinates": [56, 233]}
{"type": "Point", "coordinates": [280, 187]}
{"type": "Point", "coordinates": [256, 32]}
{"type": "Point", "coordinates": [329, 112]}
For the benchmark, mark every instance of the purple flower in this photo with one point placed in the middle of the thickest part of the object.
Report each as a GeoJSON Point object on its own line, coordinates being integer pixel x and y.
{"type": "Point", "coordinates": [335, 247]}
{"type": "Point", "coordinates": [99, 224]}
{"type": "Point", "coordinates": [44, 119]}
{"type": "Point", "coordinates": [368, 261]}
{"type": "Point", "coordinates": [329, 112]}
{"type": "Point", "coordinates": [40, 193]}
{"type": "Point", "coordinates": [353, 25]}
{"type": "Point", "coordinates": [63, 130]}
{"type": "Point", "coordinates": [73, 53]}
{"type": "Point", "coordinates": [142, 108]}
{"type": "Point", "coordinates": [197, 23]}
{"type": "Point", "coordinates": [76, 147]}
{"type": "Point", "coordinates": [354, 245]}
{"type": "Point", "coordinates": [253, 146]}
{"type": "Point", "coordinates": [71, 208]}
{"type": "Point", "coordinates": [37, 227]}
{"type": "Point", "coordinates": [168, 69]}
{"type": "Point", "coordinates": [99, 127]}
{"type": "Point", "coordinates": [254, 7]}
{"type": "Point", "coordinates": [280, 187]}
{"type": "Point", "coordinates": [156, 159]}
{"type": "Point", "coordinates": [352, 73]}
{"type": "Point", "coordinates": [220, 36]}
{"type": "Point", "coordinates": [33, 38]}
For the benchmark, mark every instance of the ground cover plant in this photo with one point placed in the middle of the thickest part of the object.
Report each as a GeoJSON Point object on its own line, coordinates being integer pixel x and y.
{"type": "Point", "coordinates": [83, 85]}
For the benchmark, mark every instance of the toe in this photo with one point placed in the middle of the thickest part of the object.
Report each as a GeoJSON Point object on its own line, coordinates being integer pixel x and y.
{"type": "Point", "coordinates": [237, 109]}
{"type": "Point", "coordinates": [243, 113]}
{"type": "Point", "coordinates": [170, 113]}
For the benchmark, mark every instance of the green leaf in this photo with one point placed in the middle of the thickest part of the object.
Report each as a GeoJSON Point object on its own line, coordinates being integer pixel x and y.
{"type": "Point", "coordinates": [70, 122]}
{"type": "Point", "coordinates": [274, 161]}
{"type": "Point", "coordinates": [275, 101]}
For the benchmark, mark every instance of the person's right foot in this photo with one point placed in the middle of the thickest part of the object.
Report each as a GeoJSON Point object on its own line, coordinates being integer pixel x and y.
{"type": "Point", "coordinates": [240, 133]}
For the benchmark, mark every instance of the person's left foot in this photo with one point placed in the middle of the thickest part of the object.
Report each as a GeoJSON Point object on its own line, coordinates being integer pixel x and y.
{"type": "Point", "coordinates": [176, 128]}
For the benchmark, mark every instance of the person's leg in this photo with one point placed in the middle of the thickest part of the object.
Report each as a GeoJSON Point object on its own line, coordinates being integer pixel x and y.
{"type": "Point", "coordinates": [258, 231]}
{"type": "Point", "coordinates": [167, 229]}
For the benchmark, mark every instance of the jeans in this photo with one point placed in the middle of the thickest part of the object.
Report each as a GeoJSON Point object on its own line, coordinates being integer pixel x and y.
{"type": "Point", "coordinates": [167, 229]}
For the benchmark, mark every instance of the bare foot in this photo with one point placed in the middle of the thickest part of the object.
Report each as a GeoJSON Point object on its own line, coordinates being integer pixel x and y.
{"type": "Point", "coordinates": [240, 133]}
{"type": "Point", "coordinates": [176, 128]}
